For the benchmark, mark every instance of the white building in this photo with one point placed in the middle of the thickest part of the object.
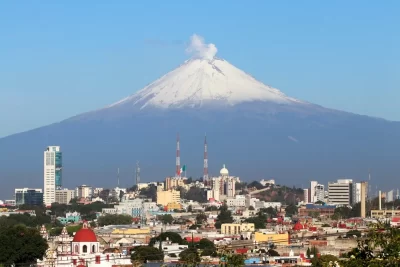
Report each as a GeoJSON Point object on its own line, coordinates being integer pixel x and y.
{"type": "Point", "coordinates": [223, 186]}
{"type": "Point", "coordinates": [52, 173]}
{"type": "Point", "coordinates": [341, 192]}
{"type": "Point", "coordinates": [238, 201]}
{"type": "Point", "coordinates": [263, 204]}
{"type": "Point", "coordinates": [313, 185]}
{"type": "Point", "coordinates": [267, 182]}
{"type": "Point", "coordinates": [115, 192]}
{"type": "Point", "coordinates": [84, 191]}
{"type": "Point", "coordinates": [319, 193]}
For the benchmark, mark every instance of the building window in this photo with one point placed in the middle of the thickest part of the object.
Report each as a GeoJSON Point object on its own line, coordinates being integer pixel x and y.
{"type": "Point", "coordinates": [76, 249]}
{"type": "Point", "coordinates": [84, 249]}
{"type": "Point", "coordinates": [93, 248]}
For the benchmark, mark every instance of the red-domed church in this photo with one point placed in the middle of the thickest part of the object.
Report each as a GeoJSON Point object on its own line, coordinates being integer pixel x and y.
{"type": "Point", "coordinates": [81, 250]}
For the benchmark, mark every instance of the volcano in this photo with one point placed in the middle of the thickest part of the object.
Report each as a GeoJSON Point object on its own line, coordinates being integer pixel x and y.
{"type": "Point", "coordinates": [256, 130]}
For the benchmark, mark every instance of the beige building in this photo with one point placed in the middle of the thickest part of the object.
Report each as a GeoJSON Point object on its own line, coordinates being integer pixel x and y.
{"type": "Point", "coordinates": [166, 197]}
{"type": "Point", "coordinates": [174, 182]}
{"type": "Point", "coordinates": [64, 196]}
{"type": "Point", "coordinates": [381, 214]}
{"type": "Point", "coordinates": [236, 228]}
{"type": "Point", "coordinates": [272, 237]}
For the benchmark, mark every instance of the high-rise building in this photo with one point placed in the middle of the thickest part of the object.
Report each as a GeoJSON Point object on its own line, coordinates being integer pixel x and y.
{"type": "Point", "coordinates": [390, 196]}
{"type": "Point", "coordinates": [363, 196]}
{"type": "Point", "coordinates": [319, 193]}
{"type": "Point", "coordinates": [52, 173]}
{"type": "Point", "coordinates": [166, 197]}
{"type": "Point", "coordinates": [313, 185]}
{"type": "Point", "coordinates": [28, 196]}
{"type": "Point", "coordinates": [306, 196]}
{"type": "Point", "coordinates": [341, 192]}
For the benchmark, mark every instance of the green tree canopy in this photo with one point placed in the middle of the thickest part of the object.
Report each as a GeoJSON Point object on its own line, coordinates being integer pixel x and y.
{"type": "Point", "coordinates": [21, 245]}
{"type": "Point", "coordinates": [114, 219]}
{"type": "Point", "coordinates": [196, 194]}
{"type": "Point", "coordinates": [201, 218]}
{"type": "Point", "coordinates": [224, 216]}
{"type": "Point", "coordinates": [291, 210]}
{"type": "Point", "coordinates": [173, 237]}
{"type": "Point", "coordinates": [143, 254]}
{"type": "Point", "coordinates": [190, 256]}
{"type": "Point", "coordinates": [166, 218]}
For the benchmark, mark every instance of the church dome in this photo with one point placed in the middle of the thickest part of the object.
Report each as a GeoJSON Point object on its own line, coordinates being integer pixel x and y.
{"type": "Point", "coordinates": [224, 171]}
{"type": "Point", "coordinates": [85, 235]}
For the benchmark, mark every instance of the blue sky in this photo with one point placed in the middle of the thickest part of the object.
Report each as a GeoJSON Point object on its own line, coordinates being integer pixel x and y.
{"type": "Point", "coordinates": [59, 59]}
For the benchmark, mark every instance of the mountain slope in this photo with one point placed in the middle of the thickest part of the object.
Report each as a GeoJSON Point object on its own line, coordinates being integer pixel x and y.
{"type": "Point", "coordinates": [256, 130]}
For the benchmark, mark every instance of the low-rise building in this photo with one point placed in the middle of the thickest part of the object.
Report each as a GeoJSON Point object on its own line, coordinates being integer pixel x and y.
{"type": "Point", "coordinates": [28, 196]}
{"type": "Point", "coordinates": [236, 228]}
{"type": "Point", "coordinates": [64, 196]}
{"type": "Point", "coordinates": [322, 210]}
{"type": "Point", "coordinates": [272, 237]}
{"type": "Point", "coordinates": [237, 201]}
{"type": "Point", "coordinates": [264, 204]}
{"type": "Point", "coordinates": [70, 217]}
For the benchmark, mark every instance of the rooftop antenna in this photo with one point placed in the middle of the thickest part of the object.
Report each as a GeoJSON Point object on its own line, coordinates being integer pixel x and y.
{"type": "Point", "coordinates": [118, 177]}
{"type": "Point", "coordinates": [369, 183]}
{"type": "Point", "coordinates": [137, 175]}
{"type": "Point", "coordinates": [205, 171]}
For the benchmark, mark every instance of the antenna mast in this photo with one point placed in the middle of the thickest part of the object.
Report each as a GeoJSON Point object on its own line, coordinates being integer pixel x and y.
{"type": "Point", "coordinates": [137, 176]}
{"type": "Point", "coordinates": [205, 174]}
{"type": "Point", "coordinates": [118, 177]}
{"type": "Point", "coordinates": [178, 157]}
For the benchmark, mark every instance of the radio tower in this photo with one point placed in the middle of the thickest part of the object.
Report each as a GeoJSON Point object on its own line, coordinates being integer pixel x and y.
{"type": "Point", "coordinates": [205, 174]}
{"type": "Point", "coordinates": [178, 158]}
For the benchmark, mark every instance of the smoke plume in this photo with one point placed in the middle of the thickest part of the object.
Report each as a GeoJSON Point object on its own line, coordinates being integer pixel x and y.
{"type": "Point", "coordinates": [199, 49]}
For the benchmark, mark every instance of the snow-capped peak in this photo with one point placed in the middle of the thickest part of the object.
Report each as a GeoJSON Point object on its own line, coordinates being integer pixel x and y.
{"type": "Point", "coordinates": [198, 82]}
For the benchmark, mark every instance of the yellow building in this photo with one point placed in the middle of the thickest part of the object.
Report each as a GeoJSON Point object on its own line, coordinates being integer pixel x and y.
{"type": "Point", "coordinates": [236, 228]}
{"type": "Point", "coordinates": [131, 231]}
{"type": "Point", "coordinates": [170, 196]}
{"type": "Point", "coordinates": [174, 206]}
{"type": "Point", "coordinates": [273, 237]}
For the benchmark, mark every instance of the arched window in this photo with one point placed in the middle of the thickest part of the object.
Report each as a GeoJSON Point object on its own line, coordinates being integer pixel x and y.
{"type": "Point", "coordinates": [84, 249]}
{"type": "Point", "coordinates": [93, 249]}
{"type": "Point", "coordinates": [76, 249]}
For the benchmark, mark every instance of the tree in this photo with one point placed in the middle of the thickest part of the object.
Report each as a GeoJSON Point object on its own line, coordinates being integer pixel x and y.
{"type": "Point", "coordinates": [173, 237]}
{"type": "Point", "coordinates": [114, 219]}
{"type": "Point", "coordinates": [149, 192]}
{"type": "Point", "coordinates": [259, 221]}
{"type": "Point", "coordinates": [380, 247]}
{"type": "Point", "coordinates": [324, 260]}
{"type": "Point", "coordinates": [352, 233]}
{"type": "Point", "coordinates": [291, 210]}
{"type": "Point", "coordinates": [235, 260]}
{"type": "Point", "coordinates": [211, 208]}
{"type": "Point", "coordinates": [190, 209]}
{"type": "Point", "coordinates": [255, 184]}
{"type": "Point", "coordinates": [251, 208]}
{"type": "Point", "coordinates": [190, 256]}
{"type": "Point", "coordinates": [201, 218]}
{"type": "Point", "coordinates": [273, 253]}
{"type": "Point", "coordinates": [166, 218]}
{"type": "Point", "coordinates": [341, 213]}
{"type": "Point", "coordinates": [21, 245]}
{"type": "Point", "coordinates": [143, 254]}
{"type": "Point", "coordinates": [196, 194]}
{"type": "Point", "coordinates": [224, 216]}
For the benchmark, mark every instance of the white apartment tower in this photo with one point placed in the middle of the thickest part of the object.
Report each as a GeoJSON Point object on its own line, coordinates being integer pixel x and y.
{"type": "Point", "coordinates": [52, 174]}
